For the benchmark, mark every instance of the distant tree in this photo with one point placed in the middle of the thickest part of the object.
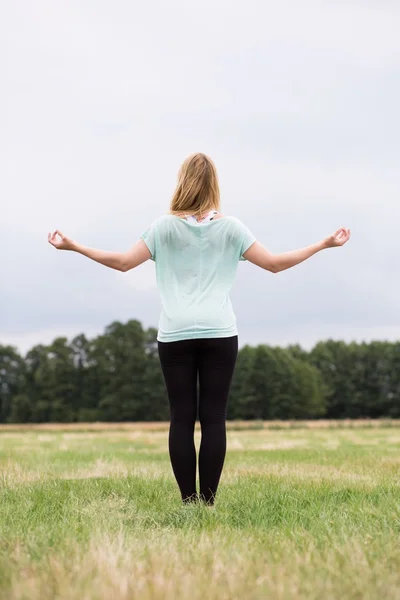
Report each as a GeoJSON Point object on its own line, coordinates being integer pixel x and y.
{"type": "Point", "coordinates": [117, 376]}
{"type": "Point", "coordinates": [12, 379]}
{"type": "Point", "coordinates": [87, 385]}
{"type": "Point", "coordinates": [155, 406]}
{"type": "Point", "coordinates": [120, 361]}
{"type": "Point", "coordinates": [376, 386]}
{"type": "Point", "coordinates": [393, 397]}
{"type": "Point", "coordinates": [296, 389]}
{"type": "Point", "coordinates": [270, 383]}
{"type": "Point", "coordinates": [335, 362]}
{"type": "Point", "coordinates": [38, 384]}
{"type": "Point", "coordinates": [21, 409]}
{"type": "Point", "coordinates": [245, 401]}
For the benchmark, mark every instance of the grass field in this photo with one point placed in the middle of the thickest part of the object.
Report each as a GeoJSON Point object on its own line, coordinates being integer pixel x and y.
{"type": "Point", "coordinates": [302, 512]}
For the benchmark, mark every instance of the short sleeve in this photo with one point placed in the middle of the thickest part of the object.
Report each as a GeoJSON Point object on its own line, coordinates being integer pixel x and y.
{"type": "Point", "coordinates": [245, 239]}
{"type": "Point", "coordinates": [149, 238]}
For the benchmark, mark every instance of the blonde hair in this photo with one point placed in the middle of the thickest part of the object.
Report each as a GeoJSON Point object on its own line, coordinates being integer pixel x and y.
{"type": "Point", "coordinates": [197, 190]}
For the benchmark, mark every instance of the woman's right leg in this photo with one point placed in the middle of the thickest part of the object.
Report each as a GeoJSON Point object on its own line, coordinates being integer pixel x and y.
{"type": "Point", "coordinates": [179, 365]}
{"type": "Point", "coordinates": [217, 359]}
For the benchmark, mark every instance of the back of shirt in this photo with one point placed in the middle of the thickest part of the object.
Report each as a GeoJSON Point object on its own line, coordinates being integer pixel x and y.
{"type": "Point", "coordinates": [195, 270]}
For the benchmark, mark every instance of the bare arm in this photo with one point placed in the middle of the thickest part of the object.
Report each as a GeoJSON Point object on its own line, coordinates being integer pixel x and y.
{"type": "Point", "coordinates": [120, 261]}
{"type": "Point", "coordinates": [260, 256]}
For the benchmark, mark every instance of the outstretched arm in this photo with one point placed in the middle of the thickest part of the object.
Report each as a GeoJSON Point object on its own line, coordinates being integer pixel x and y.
{"type": "Point", "coordinates": [260, 256]}
{"type": "Point", "coordinates": [121, 261]}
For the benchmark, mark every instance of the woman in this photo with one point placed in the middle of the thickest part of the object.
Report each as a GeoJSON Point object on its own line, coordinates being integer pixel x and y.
{"type": "Point", "coordinates": [196, 252]}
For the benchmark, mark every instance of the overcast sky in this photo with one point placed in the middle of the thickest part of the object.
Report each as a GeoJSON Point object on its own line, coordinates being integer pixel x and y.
{"type": "Point", "coordinates": [296, 102]}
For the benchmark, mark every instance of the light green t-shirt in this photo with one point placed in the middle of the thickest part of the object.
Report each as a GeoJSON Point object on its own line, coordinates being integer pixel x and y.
{"type": "Point", "coordinates": [195, 269]}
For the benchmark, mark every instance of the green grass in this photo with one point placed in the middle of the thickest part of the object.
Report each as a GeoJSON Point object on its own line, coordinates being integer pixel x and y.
{"type": "Point", "coordinates": [300, 513]}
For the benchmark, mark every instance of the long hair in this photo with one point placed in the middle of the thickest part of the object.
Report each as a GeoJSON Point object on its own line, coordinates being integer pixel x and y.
{"type": "Point", "coordinates": [197, 190]}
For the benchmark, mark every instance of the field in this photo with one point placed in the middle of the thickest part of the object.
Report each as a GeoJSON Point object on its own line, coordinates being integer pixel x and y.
{"type": "Point", "coordinates": [307, 511]}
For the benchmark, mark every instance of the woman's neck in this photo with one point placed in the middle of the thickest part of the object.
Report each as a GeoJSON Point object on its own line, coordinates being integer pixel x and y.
{"type": "Point", "coordinates": [199, 216]}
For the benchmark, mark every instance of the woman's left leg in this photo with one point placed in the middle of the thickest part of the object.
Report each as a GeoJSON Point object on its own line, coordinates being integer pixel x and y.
{"type": "Point", "coordinates": [179, 366]}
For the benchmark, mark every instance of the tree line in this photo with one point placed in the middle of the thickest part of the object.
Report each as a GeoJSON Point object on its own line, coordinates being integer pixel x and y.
{"type": "Point", "coordinates": [117, 376]}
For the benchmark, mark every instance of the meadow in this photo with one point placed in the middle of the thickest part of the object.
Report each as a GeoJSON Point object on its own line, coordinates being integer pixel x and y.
{"type": "Point", "coordinates": [304, 511]}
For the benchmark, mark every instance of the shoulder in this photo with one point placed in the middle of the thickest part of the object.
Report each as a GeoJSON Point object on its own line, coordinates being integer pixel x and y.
{"type": "Point", "coordinates": [165, 226]}
{"type": "Point", "coordinates": [240, 231]}
{"type": "Point", "coordinates": [160, 222]}
{"type": "Point", "coordinates": [164, 218]}
{"type": "Point", "coordinates": [234, 223]}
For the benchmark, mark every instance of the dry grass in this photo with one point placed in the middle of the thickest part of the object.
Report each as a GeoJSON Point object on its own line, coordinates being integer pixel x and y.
{"type": "Point", "coordinates": [231, 425]}
{"type": "Point", "coordinates": [211, 566]}
{"type": "Point", "coordinates": [302, 513]}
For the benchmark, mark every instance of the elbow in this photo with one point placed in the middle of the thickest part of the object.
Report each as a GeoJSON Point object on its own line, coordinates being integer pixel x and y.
{"type": "Point", "coordinates": [127, 267]}
{"type": "Point", "coordinates": [126, 263]}
{"type": "Point", "coordinates": [272, 263]}
{"type": "Point", "coordinates": [272, 268]}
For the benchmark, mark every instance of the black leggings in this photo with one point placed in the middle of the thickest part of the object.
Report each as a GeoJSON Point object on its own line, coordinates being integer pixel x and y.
{"type": "Point", "coordinates": [211, 362]}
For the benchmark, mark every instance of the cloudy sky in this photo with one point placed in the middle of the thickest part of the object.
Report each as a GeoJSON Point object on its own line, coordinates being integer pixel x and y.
{"type": "Point", "coordinates": [296, 102]}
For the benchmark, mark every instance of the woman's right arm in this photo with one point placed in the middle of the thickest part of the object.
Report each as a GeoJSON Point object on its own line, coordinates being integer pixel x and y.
{"type": "Point", "coordinates": [260, 256]}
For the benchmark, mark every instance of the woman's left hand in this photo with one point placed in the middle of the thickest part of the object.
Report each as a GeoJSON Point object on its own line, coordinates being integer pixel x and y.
{"type": "Point", "coordinates": [64, 243]}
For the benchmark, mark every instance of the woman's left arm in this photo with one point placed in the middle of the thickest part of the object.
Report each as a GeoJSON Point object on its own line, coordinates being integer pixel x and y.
{"type": "Point", "coordinates": [120, 261]}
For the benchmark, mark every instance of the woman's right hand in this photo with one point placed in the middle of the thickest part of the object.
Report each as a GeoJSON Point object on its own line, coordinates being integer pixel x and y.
{"type": "Point", "coordinates": [339, 238]}
{"type": "Point", "coordinates": [64, 243]}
